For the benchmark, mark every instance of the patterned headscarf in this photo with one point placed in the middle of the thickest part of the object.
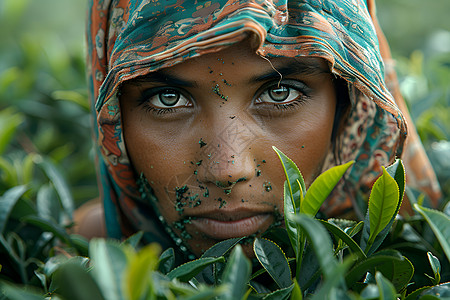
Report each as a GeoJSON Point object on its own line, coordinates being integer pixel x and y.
{"type": "Point", "coordinates": [130, 38]}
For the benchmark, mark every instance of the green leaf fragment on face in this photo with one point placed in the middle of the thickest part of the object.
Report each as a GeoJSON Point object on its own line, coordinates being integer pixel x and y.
{"type": "Point", "coordinates": [383, 202]}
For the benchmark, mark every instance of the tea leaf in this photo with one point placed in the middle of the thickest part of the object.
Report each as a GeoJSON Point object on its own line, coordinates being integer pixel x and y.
{"type": "Point", "coordinates": [85, 288]}
{"type": "Point", "coordinates": [221, 248]}
{"type": "Point", "coordinates": [137, 281]}
{"type": "Point", "coordinates": [292, 228]}
{"type": "Point", "coordinates": [345, 238]}
{"type": "Point", "coordinates": [321, 188]}
{"type": "Point", "coordinates": [435, 266]}
{"type": "Point", "coordinates": [320, 240]}
{"type": "Point", "coordinates": [18, 293]}
{"type": "Point", "coordinates": [50, 226]}
{"type": "Point", "coordinates": [236, 274]}
{"type": "Point", "coordinates": [396, 268]}
{"type": "Point", "coordinates": [441, 291]}
{"type": "Point", "coordinates": [296, 292]}
{"type": "Point", "coordinates": [397, 171]}
{"type": "Point", "coordinates": [209, 273]}
{"type": "Point", "coordinates": [440, 224]}
{"type": "Point", "coordinates": [280, 294]}
{"type": "Point", "coordinates": [8, 200]}
{"type": "Point", "coordinates": [385, 287]}
{"type": "Point", "coordinates": [292, 174]}
{"type": "Point", "coordinates": [46, 205]}
{"type": "Point", "coordinates": [60, 185]}
{"type": "Point", "coordinates": [188, 270]}
{"type": "Point", "coordinates": [109, 261]}
{"type": "Point", "coordinates": [166, 261]}
{"type": "Point", "coordinates": [134, 240]}
{"type": "Point", "coordinates": [333, 280]}
{"type": "Point", "coordinates": [383, 204]}
{"type": "Point", "coordinates": [274, 261]}
{"type": "Point", "coordinates": [9, 121]}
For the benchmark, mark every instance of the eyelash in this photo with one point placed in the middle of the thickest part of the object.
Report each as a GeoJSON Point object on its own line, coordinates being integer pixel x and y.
{"type": "Point", "coordinates": [296, 85]}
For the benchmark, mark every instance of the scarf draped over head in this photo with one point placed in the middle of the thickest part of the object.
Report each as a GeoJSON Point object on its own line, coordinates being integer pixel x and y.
{"type": "Point", "coordinates": [131, 38]}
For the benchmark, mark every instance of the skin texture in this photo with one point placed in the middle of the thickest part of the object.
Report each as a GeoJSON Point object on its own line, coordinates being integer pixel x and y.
{"type": "Point", "coordinates": [218, 140]}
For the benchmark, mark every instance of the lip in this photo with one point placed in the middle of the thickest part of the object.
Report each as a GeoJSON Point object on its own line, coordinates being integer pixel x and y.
{"type": "Point", "coordinates": [226, 225]}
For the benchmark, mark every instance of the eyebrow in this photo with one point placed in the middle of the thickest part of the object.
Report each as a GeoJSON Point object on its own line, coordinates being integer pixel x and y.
{"type": "Point", "coordinates": [296, 67]}
{"type": "Point", "coordinates": [162, 77]}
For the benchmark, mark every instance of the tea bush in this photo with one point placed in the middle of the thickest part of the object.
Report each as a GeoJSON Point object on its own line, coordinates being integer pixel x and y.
{"type": "Point", "coordinates": [383, 257]}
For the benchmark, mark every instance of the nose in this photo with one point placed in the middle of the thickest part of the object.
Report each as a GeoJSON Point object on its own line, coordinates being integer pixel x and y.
{"type": "Point", "coordinates": [227, 159]}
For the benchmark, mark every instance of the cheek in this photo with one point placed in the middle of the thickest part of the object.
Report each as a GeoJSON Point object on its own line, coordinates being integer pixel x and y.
{"type": "Point", "coordinates": [163, 158]}
{"type": "Point", "coordinates": [306, 136]}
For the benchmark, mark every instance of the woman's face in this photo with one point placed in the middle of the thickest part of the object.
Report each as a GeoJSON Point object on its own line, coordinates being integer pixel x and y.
{"type": "Point", "coordinates": [202, 133]}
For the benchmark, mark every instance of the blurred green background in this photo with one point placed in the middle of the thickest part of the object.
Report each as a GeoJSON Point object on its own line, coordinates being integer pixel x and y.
{"type": "Point", "coordinates": [43, 100]}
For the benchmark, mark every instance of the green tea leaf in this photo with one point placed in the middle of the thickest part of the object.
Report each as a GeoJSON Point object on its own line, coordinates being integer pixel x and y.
{"type": "Point", "coordinates": [236, 274]}
{"type": "Point", "coordinates": [333, 281]}
{"type": "Point", "coordinates": [274, 261]}
{"type": "Point", "coordinates": [292, 174]}
{"type": "Point", "coordinates": [385, 287]}
{"type": "Point", "coordinates": [221, 248]}
{"type": "Point", "coordinates": [134, 240]}
{"type": "Point", "coordinates": [188, 270]}
{"type": "Point", "coordinates": [397, 171]}
{"type": "Point", "coordinates": [60, 185]}
{"type": "Point", "coordinates": [209, 273]}
{"type": "Point", "coordinates": [394, 267]}
{"type": "Point", "coordinates": [440, 224]}
{"type": "Point", "coordinates": [321, 188]}
{"type": "Point", "coordinates": [383, 203]}
{"type": "Point", "coordinates": [435, 266]}
{"type": "Point", "coordinates": [19, 293]}
{"type": "Point", "coordinates": [7, 202]}
{"type": "Point", "coordinates": [344, 237]}
{"type": "Point", "coordinates": [441, 291]}
{"type": "Point", "coordinates": [9, 121]}
{"type": "Point", "coordinates": [46, 205]}
{"type": "Point", "coordinates": [137, 277]}
{"type": "Point", "coordinates": [320, 241]}
{"type": "Point", "coordinates": [109, 260]}
{"type": "Point", "coordinates": [76, 284]}
{"type": "Point", "coordinates": [166, 261]}
{"type": "Point", "coordinates": [296, 292]}
{"type": "Point", "coordinates": [280, 294]}
{"type": "Point", "coordinates": [292, 228]}
{"type": "Point", "coordinates": [49, 226]}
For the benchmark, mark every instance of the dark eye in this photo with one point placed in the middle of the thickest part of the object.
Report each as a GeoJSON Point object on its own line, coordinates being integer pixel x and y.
{"type": "Point", "coordinates": [282, 93]}
{"type": "Point", "coordinates": [165, 98]}
{"type": "Point", "coordinates": [279, 93]}
{"type": "Point", "coordinates": [169, 97]}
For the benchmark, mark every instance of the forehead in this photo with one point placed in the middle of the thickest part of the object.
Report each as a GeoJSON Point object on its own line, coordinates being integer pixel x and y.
{"type": "Point", "coordinates": [237, 63]}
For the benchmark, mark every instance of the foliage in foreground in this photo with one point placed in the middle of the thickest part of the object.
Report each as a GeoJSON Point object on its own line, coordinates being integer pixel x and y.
{"type": "Point", "coordinates": [382, 257]}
